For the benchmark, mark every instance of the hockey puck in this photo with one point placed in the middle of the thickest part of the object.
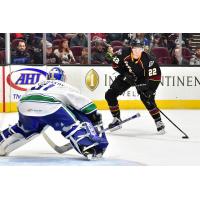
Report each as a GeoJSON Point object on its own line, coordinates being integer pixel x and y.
{"type": "Point", "coordinates": [185, 137]}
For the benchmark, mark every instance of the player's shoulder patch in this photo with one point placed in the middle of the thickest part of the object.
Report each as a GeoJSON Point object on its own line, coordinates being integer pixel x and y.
{"type": "Point", "coordinates": [151, 62]}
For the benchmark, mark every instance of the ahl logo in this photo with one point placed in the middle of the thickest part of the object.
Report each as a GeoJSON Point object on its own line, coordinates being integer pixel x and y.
{"type": "Point", "coordinates": [92, 80]}
{"type": "Point", "coordinates": [24, 78]}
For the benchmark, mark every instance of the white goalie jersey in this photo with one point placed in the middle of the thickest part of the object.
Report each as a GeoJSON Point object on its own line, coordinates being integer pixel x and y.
{"type": "Point", "coordinates": [48, 96]}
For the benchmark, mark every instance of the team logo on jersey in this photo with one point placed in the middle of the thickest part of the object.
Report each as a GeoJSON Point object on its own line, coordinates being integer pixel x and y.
{"type": "Point", "coordinates": [25, 77]}
{"type": "Point", "coordinates": [92, 80]}
{"type": "Point", "coordinates": [151, 63]}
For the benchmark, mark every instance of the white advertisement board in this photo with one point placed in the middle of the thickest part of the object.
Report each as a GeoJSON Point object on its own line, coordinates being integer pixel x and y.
{"type": "Point", "coordinates": [178, 83]}
{"type": "Point", "coordinates": [21, 78]}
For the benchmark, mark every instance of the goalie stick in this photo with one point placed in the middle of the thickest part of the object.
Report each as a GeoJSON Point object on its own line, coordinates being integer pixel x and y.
{"type": "Point", "coordinates": [68, 146]}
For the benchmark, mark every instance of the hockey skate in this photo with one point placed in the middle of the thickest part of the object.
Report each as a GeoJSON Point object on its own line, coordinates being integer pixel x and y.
{"type": "Point", "coordinates": [115, 124]}
{"type": "Point", "coordinates": [160, 127]}
{"type": "Point", "coordinates": [90, 154]}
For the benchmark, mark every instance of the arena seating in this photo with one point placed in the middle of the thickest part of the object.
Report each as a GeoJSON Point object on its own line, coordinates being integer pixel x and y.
{"type": "Point", "coordinates": [116, 43]}
{"type": "Point", "coordinates": [186, 53]}
{"type": "Point", "coordinates": [116, 48]}
{"type": "Point", "coordinates": [162, 55]}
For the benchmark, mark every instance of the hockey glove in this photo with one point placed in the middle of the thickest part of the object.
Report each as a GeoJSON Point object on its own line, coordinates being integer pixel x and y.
{"type": "Point", "coordinates": [96, 119]}
{"type": "Point", "coordinates": [130, 78]}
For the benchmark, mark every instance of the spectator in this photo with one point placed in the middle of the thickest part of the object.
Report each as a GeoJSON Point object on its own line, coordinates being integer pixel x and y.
{"type": "Point", "coordinates": [21, 56]}
{"type": "Point", "coordinates": [84, 56]}
{"type": "Point", "coordinates": [172, 41]}
{"type": "Point", "coordinates": [113, 36]}
{"type": "Point", "coordinates": [36, 50]}
{"type": "Point", "coordinates": [187, 38]}
{"type": "Point", "coordinates": [79, 40]}
{"type": "Point", "coordinates": [17, 36]}
{"type": "Point", "coordinates": [98, 56]}
{"type": "Point", "coordinates": [51, 36]}
{"type": "Point", "coordinates": [196, 59]}
{"type": "Point", "coordinates": [64, 53]}
{"type": "Point", "coordinates": [69, 36]}
{"type": "Point", "coordinates": [164, 41]}
{"type": "Point", "coordinates": [157, 42]}
{"type": "Point", "coordinates": [126, 37]}
{"type": "Point", "coordinates": [141, 36]}
{"type": "Point", "coordinates": [177, 57]}
{"type": "Point", "coordinates": [51, 58]}
{"type": "Point", "coordinates": [98, 36]}
{"type": "Point", "coordinates": [109, 54]}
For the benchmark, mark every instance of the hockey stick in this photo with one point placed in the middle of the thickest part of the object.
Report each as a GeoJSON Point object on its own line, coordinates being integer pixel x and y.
{"type": "Point", "coordinates": [185, 135]}
{"type": "Point", "coordinates": [68, 146]}
{"type": "Point", "coordinates": [57, 148]}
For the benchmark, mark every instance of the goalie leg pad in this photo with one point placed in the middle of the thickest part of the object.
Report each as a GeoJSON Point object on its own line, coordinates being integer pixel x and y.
{"type": "Point", "coordinates": [13, 138]}
{"type": "Point", "coordinates": [84, 138]}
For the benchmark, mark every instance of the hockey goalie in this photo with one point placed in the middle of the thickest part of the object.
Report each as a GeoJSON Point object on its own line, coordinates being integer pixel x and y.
{"type": "Point", "coordinates": [57, 104]}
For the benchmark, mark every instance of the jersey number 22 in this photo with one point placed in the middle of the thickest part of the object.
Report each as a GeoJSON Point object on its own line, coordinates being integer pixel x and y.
{"type": "Point", "coordinates": [152, 72]}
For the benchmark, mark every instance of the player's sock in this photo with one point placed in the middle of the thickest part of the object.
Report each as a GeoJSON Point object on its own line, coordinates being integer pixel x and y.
{"type": "Point", "coordinates": [115, 111]}
{"type": "Point", "coordinates": [155, 113]}
{"type": "Point", "coordinates": [116, 116]}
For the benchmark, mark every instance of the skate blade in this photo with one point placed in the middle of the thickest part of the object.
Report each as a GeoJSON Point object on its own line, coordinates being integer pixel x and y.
{"type": "Point", "coordinates": [90, 157]}
{"type": "Point", "coordinates": [161, 132]}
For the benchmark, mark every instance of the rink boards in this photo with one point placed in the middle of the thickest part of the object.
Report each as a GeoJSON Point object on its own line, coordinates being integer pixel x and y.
{"type": "Point", "coordinates": [179, 88]}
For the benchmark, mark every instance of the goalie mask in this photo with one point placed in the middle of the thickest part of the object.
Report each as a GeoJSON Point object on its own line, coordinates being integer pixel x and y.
{"type": "Point", "coordinates": [56, 73]}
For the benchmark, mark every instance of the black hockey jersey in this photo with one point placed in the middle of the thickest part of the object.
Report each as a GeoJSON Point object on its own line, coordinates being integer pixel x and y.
{"type": "Point", "coordinates": [145, 67]}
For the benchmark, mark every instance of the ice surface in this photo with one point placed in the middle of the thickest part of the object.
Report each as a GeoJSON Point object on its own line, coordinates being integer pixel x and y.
{"type": "Point", "coordinates": [137, 143]}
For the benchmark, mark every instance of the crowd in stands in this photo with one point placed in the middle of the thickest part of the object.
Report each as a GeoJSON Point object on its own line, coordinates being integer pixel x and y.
{"type": "Point", "coordinates": [67, 48]}
{"type": "Point", "coordinates": [26, 48]}
{"type": "Point", "coordinates": [72, 48]}
{"type": "Point", "coordinates": [196, 58]}
{"type": "Point", "coordinates": [167, 48]}
{"type": "Point", "coordinates": [61, 48]}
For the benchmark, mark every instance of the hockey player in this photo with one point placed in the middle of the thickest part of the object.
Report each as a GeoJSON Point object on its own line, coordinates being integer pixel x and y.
{"type": "Point", "coordinates": [136, 68]}
{"type": "Point", "coordinates": [59, 105]}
